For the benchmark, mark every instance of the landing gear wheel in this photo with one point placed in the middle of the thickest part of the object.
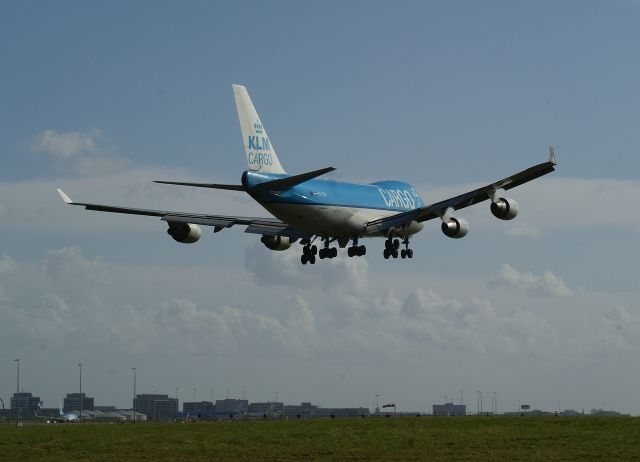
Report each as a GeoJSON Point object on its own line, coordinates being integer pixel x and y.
{"type": "Point", "coordinates": [396, 244]}
{"type": "Point", "coordinates": [303, 259]}
{"type": "Point", "coordinates": [350, 251]}
{"type": "Point", "coordinates": [334, 252]}
{"type": "Point", "coordinates": [312, 259]}
{"type": "Point", "coordinates": [386, 254]}
{"type": "Point", "coordinates": [322, 253]}
{"type": "Point", "coordinates": [394, 252]}
{"type": "Point", "coordinates": [362, 251]}
{"type": "Point", "coordinates": [314, 250]}
{"type": "Point", "coordinates": [403, 253]}
{"type": "Point", "coordinates": [410, 253]}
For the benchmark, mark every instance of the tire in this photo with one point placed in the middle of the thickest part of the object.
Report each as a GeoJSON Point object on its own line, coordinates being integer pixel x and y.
{"type": "Point", "coordinates": [362, 251]}
{"type": "Point", "coordinates": [314, 250]}
{"type": "Point", "coordinates": [396, 244]}
{"type": "Point", "coordinates": [394, 252]}
{"type": "Point", "coordinates": [321, 254]}
{"type": "Point", "coordinates": [410, 253]}
{"type": "Point", "coordinates": [350, 252]}
{"type": "Point", "coordinates": [334, 252]}
{"type": "Point", "coordinates": [303, 259]}
{"type": "Point", "coordinates": [403, 253]}
{"type": "Point", "coordinates": [312, 259]}
{"type": "Point", "coordinates": [386, 254]}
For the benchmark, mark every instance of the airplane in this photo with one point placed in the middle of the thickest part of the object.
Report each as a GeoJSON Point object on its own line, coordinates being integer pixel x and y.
{"type": "Point", "coordinates": [63, 417]}
{"type": "Point", "coordinates": [307, 208]}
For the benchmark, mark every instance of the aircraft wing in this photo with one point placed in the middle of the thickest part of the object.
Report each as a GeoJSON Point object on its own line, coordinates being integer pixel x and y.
{"type": "Point", "coordinates": [438, 209]}
{"type": "Point", "coordinates": [264, 226]}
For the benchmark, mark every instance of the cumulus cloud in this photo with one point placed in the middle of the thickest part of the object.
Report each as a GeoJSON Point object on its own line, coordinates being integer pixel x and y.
{"type": "Point", "coordinates": [80, 151]}
{"type": "Point", "coordinates": [7, 264]}
{"type": "Point", "coordinates": [545, 285]}
{"type": "Point", "coordinates": [64, 145]}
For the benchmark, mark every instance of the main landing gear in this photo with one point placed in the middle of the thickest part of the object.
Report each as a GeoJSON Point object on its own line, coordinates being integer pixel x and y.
{"type": "Point", "coordinates": [391, 247]}
{"type": "Point", "coordinates": [356, 250]}
{"type": "Point", "coordinates": [309, 253]}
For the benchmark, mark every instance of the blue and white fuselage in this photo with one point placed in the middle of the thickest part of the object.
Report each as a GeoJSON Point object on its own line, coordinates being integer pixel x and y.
{"type": "Point", "coordinates": [335, 208]}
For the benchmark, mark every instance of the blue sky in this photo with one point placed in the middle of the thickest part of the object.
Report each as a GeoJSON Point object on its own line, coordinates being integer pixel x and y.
{"type": "Point", "coordinates": [445, 95]}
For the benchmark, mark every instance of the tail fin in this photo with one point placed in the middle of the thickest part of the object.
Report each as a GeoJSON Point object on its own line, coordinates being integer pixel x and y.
{"type": "Point", "coordinates": [261, 156]}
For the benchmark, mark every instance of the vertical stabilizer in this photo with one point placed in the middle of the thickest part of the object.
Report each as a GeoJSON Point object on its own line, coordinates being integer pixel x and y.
{"type": "Point", "coordinates": [261, 155]}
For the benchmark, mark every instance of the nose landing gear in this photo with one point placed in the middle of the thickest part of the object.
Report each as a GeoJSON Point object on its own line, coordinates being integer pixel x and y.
{"type": "Point", "coordinates": [327, 252]}
{"type": "Point", "coordinates": [406, 252]}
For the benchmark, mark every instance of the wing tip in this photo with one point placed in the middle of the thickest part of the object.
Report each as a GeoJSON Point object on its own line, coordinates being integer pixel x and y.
{"type": "Point", "coordinates": [65, 198]}
{"type": "Point", "coordinates": [552, 155]}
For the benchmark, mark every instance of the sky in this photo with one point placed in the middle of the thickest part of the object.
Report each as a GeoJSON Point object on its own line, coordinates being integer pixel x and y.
{"type": "Point", "coordinates": [101, 98]}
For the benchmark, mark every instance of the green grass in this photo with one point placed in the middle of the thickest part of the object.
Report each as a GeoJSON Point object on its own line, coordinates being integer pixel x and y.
{"type": "Point", "coordinates": [393, 439]}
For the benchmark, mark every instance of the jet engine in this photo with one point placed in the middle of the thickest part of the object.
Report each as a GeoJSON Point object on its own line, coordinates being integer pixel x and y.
{"type": "Point", "coordinates": [276, 242]}
{"type": "Point", "coordinates": [455, 228]}
{"type": "Point", "coordinates": [504, 208]}
{"type": "Point", "coordinates": [185, 233]}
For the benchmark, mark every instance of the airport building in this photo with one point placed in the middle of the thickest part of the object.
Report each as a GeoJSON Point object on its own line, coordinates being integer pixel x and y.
{"type": "Point", "coordinates": [231, 407]}
{"type": "Point", "coordinates": [156, 406]}
{"type": "Point", "coordinates": [200, 409]}
{"type": "Point", "coordinates": [450, 409]}
{"type": "Point", "coordinates": [73, 401]}
{"type": "Point", "coordinates": [333, 412]}
{"type": "Point", "coordinates": [302, 410]}
{"type": "Point", "coordinates": [270, 409]}
{"type": "Point", "coordinates": [28, 403]}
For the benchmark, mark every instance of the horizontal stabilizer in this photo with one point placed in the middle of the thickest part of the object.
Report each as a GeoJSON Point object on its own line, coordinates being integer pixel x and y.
{"type": "Point", "coordinates": [230, 187]}
{"type": "Point", "coordinates": [291, 181]}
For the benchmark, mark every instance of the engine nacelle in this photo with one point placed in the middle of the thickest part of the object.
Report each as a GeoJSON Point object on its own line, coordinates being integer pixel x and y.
{"type": "Point", "coordinates": [504, 209]}
{"type": "Point", "coordinates": [278, 243]}
{"type": "Point", "coordinates": [455, 228]}
{"type": "Point", "coordinates": [185, 233]}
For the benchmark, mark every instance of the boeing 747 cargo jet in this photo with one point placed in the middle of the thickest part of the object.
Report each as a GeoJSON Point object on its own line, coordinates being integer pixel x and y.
{"type": "Point", "coordinates": [308, 209]}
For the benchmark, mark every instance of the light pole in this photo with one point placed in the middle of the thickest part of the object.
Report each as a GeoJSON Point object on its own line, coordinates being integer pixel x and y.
{"type": "Point", "coordinates": [135, 400]}
{"type": "Point", "coordinates": [18, 393]}
{"type": "Point", "coordinates": [81, 400]}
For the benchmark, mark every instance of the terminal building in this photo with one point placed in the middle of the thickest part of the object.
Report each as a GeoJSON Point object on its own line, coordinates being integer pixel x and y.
{"type": "Point", "coordinates": [450, 409]}
{"type": "Point", "coordinates": [200, 409]}
{"type": "Point", "coordinates": [270, 409]}
{"type": "Point", "coordinates": [29, 404]}
{"type": "Point", "coordinates": [156, 406]}
{"type": "Point", "coordinates": [231, 407]}
{"type": "Point", "coordinates": [74, 401]}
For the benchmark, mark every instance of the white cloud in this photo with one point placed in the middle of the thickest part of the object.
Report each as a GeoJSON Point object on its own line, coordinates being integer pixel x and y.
{"type": "Point", "coordinates": [545, 285]}
{"type": "Point", "coordinates": [64, 145]}
{"type": "Point", "coordinates": [7, 264]}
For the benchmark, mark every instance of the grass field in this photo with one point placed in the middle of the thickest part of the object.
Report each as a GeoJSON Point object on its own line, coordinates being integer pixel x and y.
{"type": "Point", "coordinates": [426, 438]}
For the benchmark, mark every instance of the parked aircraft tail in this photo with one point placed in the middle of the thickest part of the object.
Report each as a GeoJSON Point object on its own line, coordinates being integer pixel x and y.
{"type": "Point", "coordinates": [261, 155]}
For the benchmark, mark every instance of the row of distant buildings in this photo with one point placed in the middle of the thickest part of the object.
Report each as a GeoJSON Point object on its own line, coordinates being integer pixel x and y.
{"type": "Point", "coordinates": [162, 407]}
